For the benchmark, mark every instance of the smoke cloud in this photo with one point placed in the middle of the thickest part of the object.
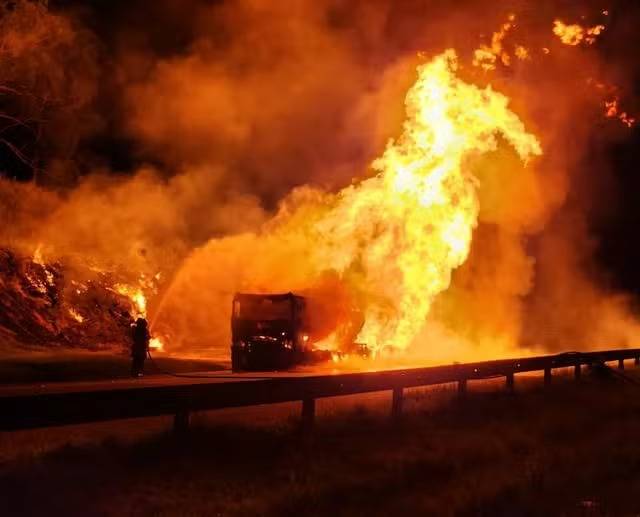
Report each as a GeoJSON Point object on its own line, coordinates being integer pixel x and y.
{"type": "Point", "coordinates": [257, 109]}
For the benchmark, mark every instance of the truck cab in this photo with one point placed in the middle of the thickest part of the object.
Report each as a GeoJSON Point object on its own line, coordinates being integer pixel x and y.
{"type": "Point", "coordinates": [268, 331]}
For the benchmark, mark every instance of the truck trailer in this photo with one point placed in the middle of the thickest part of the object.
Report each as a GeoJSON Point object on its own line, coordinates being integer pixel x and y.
{"type": "Point", "coordinates": [269, 331]}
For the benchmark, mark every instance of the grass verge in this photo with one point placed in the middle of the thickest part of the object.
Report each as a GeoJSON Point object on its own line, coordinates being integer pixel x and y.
{"type": "Point", "coordinates": [568, 450]}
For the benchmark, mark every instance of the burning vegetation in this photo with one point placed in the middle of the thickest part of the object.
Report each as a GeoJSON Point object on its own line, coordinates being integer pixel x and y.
{"type": "Point", "coordinates": [42, 306]}
{"type": "Point", "coordinates": [434, 227]}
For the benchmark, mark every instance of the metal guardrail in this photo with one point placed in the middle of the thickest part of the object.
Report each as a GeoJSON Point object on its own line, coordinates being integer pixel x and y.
{"type": "Point", "coordinates": [29, 411]}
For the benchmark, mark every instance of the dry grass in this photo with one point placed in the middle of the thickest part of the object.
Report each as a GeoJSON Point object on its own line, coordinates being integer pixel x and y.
{"type": "Point", "coordinates": [571, 450]}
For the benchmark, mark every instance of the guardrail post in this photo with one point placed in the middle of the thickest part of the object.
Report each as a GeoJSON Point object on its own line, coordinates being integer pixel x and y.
{"type": "Point", "coordinates": [396, 401]}
{"type": "Point", "coordinates": [308, 413]}
{"type": "Point", "coordinates": [577, 371]}
{"type": "Point", "coordinates": [510, 382]}
{"type": "Point", "coordinates": [620, 364]}
{"type": "Point", "coordinates": [547, 376]}
{"type": "Point", "coordinates": [181, 422]}
{"type": "Point", "coordinates": [462, 388]}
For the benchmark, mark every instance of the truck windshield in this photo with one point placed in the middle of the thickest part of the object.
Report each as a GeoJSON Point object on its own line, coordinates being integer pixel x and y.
{"type": "Point", "coordinates": [262, 309]}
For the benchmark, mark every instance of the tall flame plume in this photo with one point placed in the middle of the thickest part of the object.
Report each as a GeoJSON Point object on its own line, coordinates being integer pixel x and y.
{"type": "Point", "coordinates": [396, 237]}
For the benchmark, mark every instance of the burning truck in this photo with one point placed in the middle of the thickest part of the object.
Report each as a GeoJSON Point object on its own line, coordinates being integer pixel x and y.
{"type": "Point", "coordinates": [279, 331]}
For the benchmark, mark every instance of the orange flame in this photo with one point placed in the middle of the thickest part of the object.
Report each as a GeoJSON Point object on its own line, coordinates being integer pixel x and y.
{"type": "Point", "coordinates": [76, 315]}
{"type": "Point", "coordinates": [612, 110]}
{"type": "Point", "coordinates": [396, 237]}
{"type": "Point", "coordinates": [137, 297]}
{"type": "Point", "coordinates": [486, 56]}
{"type": "Point", "coordinates": [156, 344]}
{"type": "Point", "coordinates": [575, 34]}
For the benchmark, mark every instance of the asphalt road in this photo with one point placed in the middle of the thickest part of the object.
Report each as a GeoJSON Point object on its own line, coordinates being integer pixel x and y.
{"type": "Point", "coordinates": [154, 378]}
{"type": "Point", "coordinates": [164, 379]}
{"type": "Point", "coordinates": [146, 381]}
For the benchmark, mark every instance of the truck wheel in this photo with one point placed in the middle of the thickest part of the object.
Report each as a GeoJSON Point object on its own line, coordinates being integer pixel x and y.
{"type": "Point", "coordinates": [236, 361]}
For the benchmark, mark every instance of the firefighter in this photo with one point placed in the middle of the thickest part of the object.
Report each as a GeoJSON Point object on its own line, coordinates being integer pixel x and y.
{"type": "Point", "coordinates": [140, 346]}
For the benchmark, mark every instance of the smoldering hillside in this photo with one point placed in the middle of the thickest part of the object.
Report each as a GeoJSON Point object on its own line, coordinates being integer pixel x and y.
{"type": "Point", "coordinates": [165, 139]}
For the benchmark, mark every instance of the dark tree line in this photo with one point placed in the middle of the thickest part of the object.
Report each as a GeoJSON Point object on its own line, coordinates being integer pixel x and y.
{"type": "Point", "coordinates": [47, 81]}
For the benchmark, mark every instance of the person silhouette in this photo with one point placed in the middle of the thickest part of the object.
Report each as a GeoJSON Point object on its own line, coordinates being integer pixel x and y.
{"type": "Point", "coordinates": [139, 347]}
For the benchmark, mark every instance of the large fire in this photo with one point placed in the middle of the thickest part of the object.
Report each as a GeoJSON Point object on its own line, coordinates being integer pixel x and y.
{"type": "Point", "coordinates": [378, 256]}
{"type": "Point", "coordinates": [396, 237]}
